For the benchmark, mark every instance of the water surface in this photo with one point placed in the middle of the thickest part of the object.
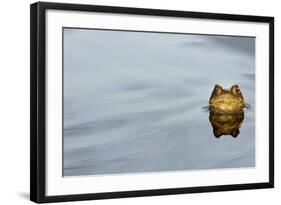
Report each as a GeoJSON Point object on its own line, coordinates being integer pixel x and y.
{"type": "Point", "coordinates": [134, 101]}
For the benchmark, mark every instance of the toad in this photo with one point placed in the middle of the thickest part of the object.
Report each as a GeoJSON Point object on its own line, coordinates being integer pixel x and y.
{"type": "Point", "coordinates": [226, 100]}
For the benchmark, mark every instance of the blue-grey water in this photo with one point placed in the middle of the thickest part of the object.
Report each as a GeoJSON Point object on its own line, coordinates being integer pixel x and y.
{"type": "Point", "coordinates": [134, 101]}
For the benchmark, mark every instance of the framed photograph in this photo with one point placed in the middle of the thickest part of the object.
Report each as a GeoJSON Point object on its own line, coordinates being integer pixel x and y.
{"type": "Point", "coordinates": [129, 102]}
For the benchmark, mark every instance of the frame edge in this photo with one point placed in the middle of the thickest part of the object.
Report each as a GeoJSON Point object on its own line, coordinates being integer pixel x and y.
{"type": "Point", "coordinates": [271, 102]}
{"type": "Point", "coordinates": [33, 103]}
{"type": "Point", "coordinates": [37, 102]}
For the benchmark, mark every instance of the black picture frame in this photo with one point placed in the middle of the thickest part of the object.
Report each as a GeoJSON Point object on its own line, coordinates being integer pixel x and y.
{"type": "Point", "coordinates": [38, 101]}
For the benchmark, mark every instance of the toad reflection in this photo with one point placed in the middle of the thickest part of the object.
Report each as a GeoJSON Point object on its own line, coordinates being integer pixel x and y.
{"type": "Point", "coordinates": [226, 111]}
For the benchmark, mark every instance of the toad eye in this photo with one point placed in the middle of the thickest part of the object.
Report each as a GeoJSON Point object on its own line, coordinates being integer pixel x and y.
{"type": "Point", "coordinates": [217, 91]}
{"type": "Point", "coordinates": [237, 91]}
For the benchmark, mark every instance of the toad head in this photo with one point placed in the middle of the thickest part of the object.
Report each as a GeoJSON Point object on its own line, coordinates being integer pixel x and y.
{"type": "Point", "coordinates": [226, 100]}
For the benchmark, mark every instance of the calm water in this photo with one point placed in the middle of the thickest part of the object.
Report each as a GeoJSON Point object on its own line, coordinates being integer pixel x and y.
{"type": "Point", "coordinates": [136, 102]}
